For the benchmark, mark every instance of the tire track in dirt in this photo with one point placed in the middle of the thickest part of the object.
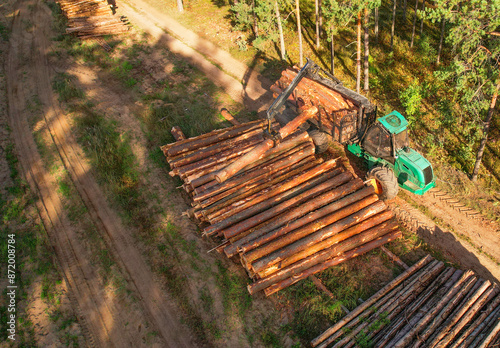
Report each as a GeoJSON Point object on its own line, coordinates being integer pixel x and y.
{"type": "Point", "coordinates": [90, 306]}
{"type": "Point", "coordinates": [159, 308]}
{"type": "Point", "coordinates": [453, 247]}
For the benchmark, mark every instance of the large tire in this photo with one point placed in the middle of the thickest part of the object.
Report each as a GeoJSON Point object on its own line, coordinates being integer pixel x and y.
{"type": "Point", "coordinates": [321, 140]}
{"type": "Point", "coordinates": [386, 181]}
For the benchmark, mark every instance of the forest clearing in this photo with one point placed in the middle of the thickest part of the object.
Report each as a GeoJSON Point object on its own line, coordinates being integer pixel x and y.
{"type": "Point", "coordinates": [106, 255]}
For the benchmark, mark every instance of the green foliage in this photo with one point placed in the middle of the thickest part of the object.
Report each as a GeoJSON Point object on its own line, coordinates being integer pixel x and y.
{"type": "Point", "coordinates": [122, 71]}
{"type": "Point", "coordinates": [411, 99]}
{"type": "Point", "coordinates": [270, 339]}
{"type": "Point", "coordinates": [64, 85]}
{"type": "Point", "coordinates": [241, 15]}
{"type": "Point", "coordinates": [234, 291]}
{"type": "Point", "coordinates": [4, 32]}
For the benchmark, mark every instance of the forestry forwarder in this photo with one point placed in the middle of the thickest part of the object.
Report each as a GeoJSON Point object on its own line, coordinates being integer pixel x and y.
{"type": "Point", "coordinates": [382, 142]}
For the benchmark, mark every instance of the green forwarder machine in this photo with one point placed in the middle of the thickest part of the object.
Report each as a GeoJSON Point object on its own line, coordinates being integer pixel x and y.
{"type": "Point", "coordinates": [350, 119]}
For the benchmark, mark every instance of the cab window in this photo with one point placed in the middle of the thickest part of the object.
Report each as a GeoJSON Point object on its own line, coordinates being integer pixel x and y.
{"type": "Point", "coordinates": [378, 143]}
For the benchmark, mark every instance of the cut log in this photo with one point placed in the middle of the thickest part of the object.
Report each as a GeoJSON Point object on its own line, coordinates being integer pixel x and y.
{"type": "Point", "coordinates": [260, 150]}
{"type": "Point", "coordinates": [267, 214]}
{"type": "Point", "coordinates": [332, 262]}
{"type": "Point", "coordinates": [270, 232]}
{"type": "Point", "coordinates": [305, 237]}
{"type": "Point", "coordinates": [372, 300]}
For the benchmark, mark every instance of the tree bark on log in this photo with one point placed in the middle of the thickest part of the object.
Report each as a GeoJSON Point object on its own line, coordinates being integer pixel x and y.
{"type": "Point", "coordinates": [201, 141]}
{"type": "Point", "coordinates": [361, 233]}
{"type": "Point", "coordinates": [269, 233]}
{"type": "Point", "coordinates": [267, 214]}
{"type": "Point", "coordinates": [306, 237]}
{"type": "Point", "coordinates": [245, 200]}
{"type": "Point", "coordinates": [480, 319]}
{"type": "Point", "coordinates": [465, 319]}
{"type": "Point", "coordinates": [372, 300]}
{"type": "Point", "coordinates": [262, 176]}
{"type": "Point", "coordinates": [261, 149]}
{"type": "Point", "coordinates": [272, 162]}
{"type": "Point", "coordinates": [457, 314]}
{"type": "Point", "coordinates": [332, 262]}
{"type": "Point", "coordinates": [383, 302]}
{"type": "Point", "coordinates": [397, 304]}
{"type": "Point", "coordinates": [277, 193]}
{"type": "Point", "coordinates": [406, 321]}
{"type": "Point", "coordinates": [319, 217]}
{"type": "Point", "coordinates": [420, 321]}
{"type": "Point", "coordinates": [445, 306]}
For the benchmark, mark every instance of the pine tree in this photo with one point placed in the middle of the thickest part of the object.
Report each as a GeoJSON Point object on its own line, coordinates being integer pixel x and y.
{"type": "Point", "coordinates": [299, 31]}
{"type": "Point", "coordinates": [473, 75]}
{"type": "Point", "coordinates": [393, 23]}
{"type": "Point", "coordinates": [280, 30]}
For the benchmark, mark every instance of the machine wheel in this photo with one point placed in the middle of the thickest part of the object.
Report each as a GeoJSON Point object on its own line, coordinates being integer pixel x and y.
{"type": "Point", "coordinates": [386, 183]}
{"type": "Point", "coordinates": [321, 140]}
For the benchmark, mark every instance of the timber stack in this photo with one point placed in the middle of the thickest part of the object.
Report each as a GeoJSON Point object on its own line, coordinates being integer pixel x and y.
{"type": "Point", "coordinates": [91, 18]}
{"type": "Point", "coordinates": [336, 111]}
{"type": "Point", "coordinates": [283, 212]}
{"type": "Point", "coordinates": [429, 305]}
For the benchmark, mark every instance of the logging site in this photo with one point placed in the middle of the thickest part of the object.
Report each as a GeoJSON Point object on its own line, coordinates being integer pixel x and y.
{"type": "Point", "coordinates": [218, 173]}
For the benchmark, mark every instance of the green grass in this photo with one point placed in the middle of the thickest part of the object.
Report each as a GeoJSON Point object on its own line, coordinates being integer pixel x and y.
{"type": "Point", "coordinates": [64, 86]}
{"type": "Point", "coordinates": [33, 256]}
{"type": "Point", "coordinates": [234, 291]}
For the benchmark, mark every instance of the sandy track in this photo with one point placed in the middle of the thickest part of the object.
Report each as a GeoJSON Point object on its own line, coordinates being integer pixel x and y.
{"type": "Point", "coordinates": [103, 318]}
{"type": "Point", "coordinates": [92, 309]}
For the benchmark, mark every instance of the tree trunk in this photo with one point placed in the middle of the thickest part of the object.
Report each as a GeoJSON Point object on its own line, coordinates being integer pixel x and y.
{"type": "Point", "coordinates": [320, 20]}
{"type": "Point", "coordinates": [358, 60]}
{"type": "Point", "coordinates": [414, 24]}
{"type": "Point", "coordinates": [393, 23]}
{"type": "Point", "coordinates": [180, 6]}
{"type": "Point", "coordinates": [422, 22]}
{"type": "Point", "coordinates": [280, 30]}
{"type": "Point", "coordinates": [299, 30]}
{"type": "Point", "coordinates": [376, 24]}
{"type": "Point", "coordinates": [316, 13]}
{"type": "Point", "coordinates": [443, 22]}
{"type": "Point", "coordinates": [404, 11]}
{"type": "Point", "coordinates": [486, 128]}
{"type": "Point", "coordinates": [367, 50]}
{"type": "Point", "coordinates": [255, 22]}
{"type": "Point", "coordinates": [332, 56]}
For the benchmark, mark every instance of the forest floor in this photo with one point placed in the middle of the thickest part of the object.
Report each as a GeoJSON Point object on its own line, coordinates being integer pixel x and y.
{"type": "Point", "coordinates": [127, 248]}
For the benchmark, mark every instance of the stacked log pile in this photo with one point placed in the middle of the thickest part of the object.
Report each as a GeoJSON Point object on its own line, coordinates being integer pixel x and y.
{"type": "Point", "coordinates": [334, 108]}
{"type": "Point", "coordinates": [91, 18]}
{"type": "Point", "coordinates": [287, 214]}
{"type": "Point", "coordinates": [429, 305]}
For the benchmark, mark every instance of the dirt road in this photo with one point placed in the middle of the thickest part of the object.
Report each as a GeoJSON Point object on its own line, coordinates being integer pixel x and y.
{"type": "Point", "coordinates": [103, 317]}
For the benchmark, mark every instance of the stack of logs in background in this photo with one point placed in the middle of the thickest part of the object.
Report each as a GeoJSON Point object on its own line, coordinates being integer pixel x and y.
{"type": "Point", "coordinates": [286, 215]}
{"type": "Point", "coordinates": [429, 305]}
{"type": "Point", "coordinates": [91, 18]}
{"type": "Point", "coordinates": [334, 106]}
